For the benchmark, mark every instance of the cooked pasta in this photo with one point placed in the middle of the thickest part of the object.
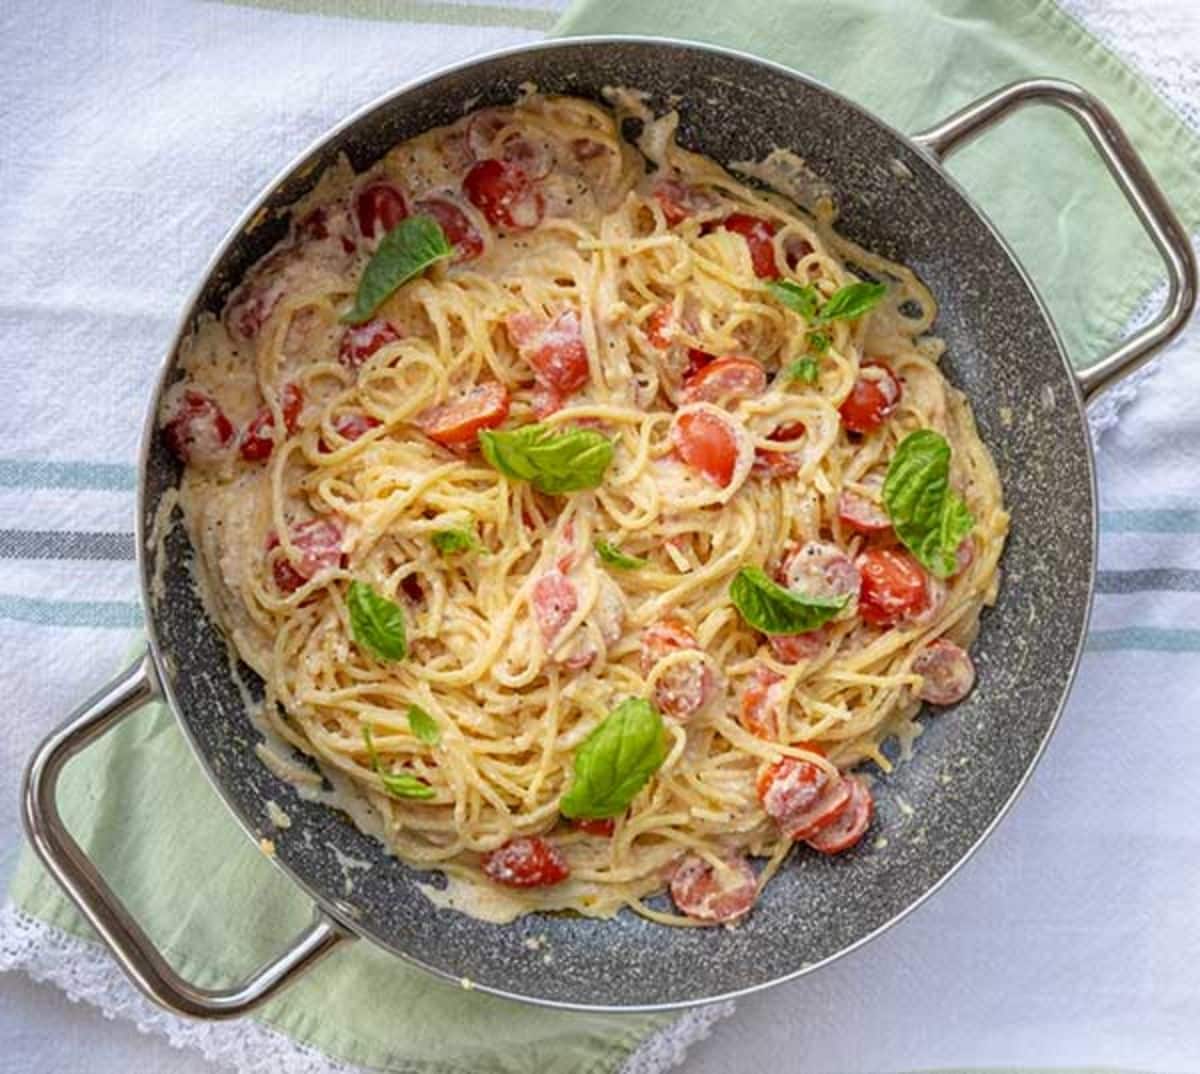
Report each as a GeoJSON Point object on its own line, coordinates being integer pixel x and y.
{"type": "Point", "coordinates": [492, 547]}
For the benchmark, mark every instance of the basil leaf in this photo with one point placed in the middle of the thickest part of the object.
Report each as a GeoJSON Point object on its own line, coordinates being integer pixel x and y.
{"type": "Point", "coordinates": [376, 623]}
{"type": "Point", "coordinates": [553, 462]}
{"type": "Point", "coordinates": [819, 342]}
{"type": "Point", "coordinates": [806, 370]}
{"type": "Point", "coordinates": [614, 557]}
{"type": "Point", "coordinates": [423, 725]}
{"type": "Point", "coordinates": [773, 609]}
{"type": "Point", "coordinates": [397, 784]}
{"type": "Point", "coordinates": [452, 542]}
{"type": "Point", "coordinates": [616, 760]}
{"type": "Point", "coordinates": [408, 249]}
{"type": "Point", "coordinates": [801, 300]}
{"type": "Point", "coordinates": [927, 515]}
{"type": "Point", "coordinates": [852, 301]}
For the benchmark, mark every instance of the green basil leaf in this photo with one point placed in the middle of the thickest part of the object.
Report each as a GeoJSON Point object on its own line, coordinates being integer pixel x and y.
{"type": "Point", "coordinates": [423, 725]}
{"type": "Point", "coordinates": [397, 784]}
{"type": "Point", "coordinates": [801, 300]}
{"type": "Point", "coordinates": [616, 760]}
{"type": "Point", "coordinates": [773, 609]}
{"type": "Point", "coordinates": [806, 370]}
{"type": "Point", "coordinates": [614, 557]}
{"type": "Point", "coordinates": [553, 462]}
{"type": "Point", "coordinates": [452, 542]}
{"type": "Point", "coordinates": [852, 301]}
{"type": "Point", "coordinates": [376, 623]}
{"type": "Point", "coordinates": [408, 249]}
{"type": "Point", "coordinates": [819, 342]}
{"type": "Point", "coordinates": [927, 515]}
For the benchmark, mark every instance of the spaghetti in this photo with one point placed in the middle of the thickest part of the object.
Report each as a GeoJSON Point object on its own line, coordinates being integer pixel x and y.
{"type": "Point", "coordinates": [694, 323]}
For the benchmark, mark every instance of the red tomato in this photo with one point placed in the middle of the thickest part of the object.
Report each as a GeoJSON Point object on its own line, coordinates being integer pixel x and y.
{"type": "Point", "coordinates": [791, 789]}
{"type": "Point", "coordinates": [660, 326]}
{"type": "Point", "coordinates": [760, 708]}
{"type": "Point", "coordinates": [820, 569]}
{"type": "Point", "coordinates": [796, 249]}
{"type": "Point", "coordinates": [555, 600]}
{"type": "Point", "coordinates": [379, 207]}
{"type": "Point", "coordinates": [350, 427]}
{"type": "Point", "coordinates": [793, 648]}
{"type": "Point", "coordinates": [893, 586]}
{"type": "Point", "coordinates": [527, 861]}
{"type": "Point", "coordinates": [712, 895]}
{"type": "Point", "coordinates": [779, 464]}
{"type": "Point", "coordinates": [319, 224]}
{"type": "Point", "coordinates": [319, 544]}
{"type": "Point", "coordinates": [258, 441]}
{"type": "Point", "coordinates": [758, 235]}
{"type": "Point", "coordinates": [724, 380]}
{"type": "Point", "coordinates": [862, 513]}
{"type": "Point", "coordinates": [850, 825]}
{"type": "Point", "coordinates": [504, 194]}
{"type": "Point", "coordinates": [361, 341]}
{"type": "Point", "coordinates": [600, 826]}
{"type": "Point", "coordinates": [675, 200]}
{"type": "Point", "coordinates": [197, 430]}
{"type": "Point", "coordinates": [461, 233]}
{"type": "Point", "coordinates": [872, 400]}
{"type": "Point", "coordinates": [250, 312]}
{"type": "Point", "coordinates": [708, 444]}
{"type": "Point", "coordinates": [948, 670]}
{"type": "Point", "coordinates": [698, 360]}
{"type": "Point", "coordinates": [685, 688]}
{"type": "Point", "coordinates": [451, 424]}
{"type": "Point", "coordinates": [555, 349]}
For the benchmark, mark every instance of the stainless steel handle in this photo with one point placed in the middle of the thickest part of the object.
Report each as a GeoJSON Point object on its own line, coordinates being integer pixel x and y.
{"type": "Point", "coordinates": [78, 877]}
{"type": "Point", "coordinates": [1136, 183]}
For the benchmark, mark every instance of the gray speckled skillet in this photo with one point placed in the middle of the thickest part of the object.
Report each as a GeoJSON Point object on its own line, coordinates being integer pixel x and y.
{"type": "Point", "coordinates": [895, 198]}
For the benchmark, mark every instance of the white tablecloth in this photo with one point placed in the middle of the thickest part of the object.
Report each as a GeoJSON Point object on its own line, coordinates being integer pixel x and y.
{"type": "Point", "coordinates": [1092, 963]}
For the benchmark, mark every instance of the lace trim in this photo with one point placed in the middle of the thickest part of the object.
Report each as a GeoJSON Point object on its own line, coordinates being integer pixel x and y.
{"type": "Point", "coordinates": [86, 972]}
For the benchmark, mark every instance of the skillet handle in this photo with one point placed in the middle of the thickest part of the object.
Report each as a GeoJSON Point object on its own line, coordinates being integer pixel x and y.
{"type": "Point", "coordinates": [78, 877]}
{"type": "Point", "coordinates": [1135, 182]}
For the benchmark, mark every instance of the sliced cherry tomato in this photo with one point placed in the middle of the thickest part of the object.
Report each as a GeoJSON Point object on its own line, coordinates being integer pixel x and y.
{"type": "Point", "coordinates": [791, 788]}
{"type": "Point", "coordinates": [708, 444]}
{"type": "Point", "coordinates": [835, 799]}
{"type": "Point", "coordinates": [607, 617]}
{"type": "Point", "coordinates": [379, 207]}
{"type": "Point", "coordinates": [249, 312]}
{"type": "Point", "coordinates": [675, 199]}
{"type": "Point", "coordinates": [758, 234]}
{"type": "Point", "coordinates": [872, 400]}
{"type": "Point", "coordinates": [893, 586]}
{"type": "Point", "coordinates": [504, 194]}
{"type": "Point", "coordinates": [724, 380]}
{"type": "Point", "coordinates": [411, 586]}
{"type": "Point", "coordinates": [527, 861]}
{"type": "Point", "coordinates": [862, 513]}
{"type": "Point", "coordinates": [534, 157]}
{"type": "Point", "coordinates": [458, 422]}
{"type": "Point", "coordinates": [761, 703]}
{"type": "Point", "coordinates": [197, 430]}
{"type": "Point", "coordinates": [555, 599]}
{"type": "Point", "coordinates": [779, 464]}
{"type": "Point", "coordinates": [320, 223]}
{"type": "Point", "coordinates": [461, 233]}
{"type": "Point", "coordinates": [351, 427]}
{"type": "Point", "coordinates": [600, 826]}
{"type": "Point", "coordinates": [820, 569]}
{"type": "Point", "coordinates": [660, 326]}
{"type": "Point", "coordinates": [712, 895]}
{"type": "Point", "coordinates": [794, 648]}
{"type": "Point", "coordinates": [683, 690]}
{"type": "Point", "coordinates": [555, 349]}
{"type": "Point", "coordinates": [796, 249]}
{"type": "Point", "coordinates": [361, 341]}
{"type": "Point", "coordinates": [851, 824]}
{"type": "Point", "coordinates": [483, 128]}
{"type": "Point", "coordinates": [948, 670]}
{"type": "Point", "coordinates": [258, 441]}
{"type": "Point", "coordinates": [319, 544]}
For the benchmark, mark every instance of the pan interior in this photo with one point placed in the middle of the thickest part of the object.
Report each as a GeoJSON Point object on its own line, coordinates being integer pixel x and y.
{"type": "Point", "coordinates": [969, 762]}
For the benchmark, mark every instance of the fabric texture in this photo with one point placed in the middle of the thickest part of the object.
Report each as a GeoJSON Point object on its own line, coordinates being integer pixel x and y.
{"type": "Point", "coordinates": [86, 310]}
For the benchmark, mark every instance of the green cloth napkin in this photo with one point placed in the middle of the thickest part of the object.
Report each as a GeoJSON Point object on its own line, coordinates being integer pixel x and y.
{"type": "Point", "coordinates": [138, 802]}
